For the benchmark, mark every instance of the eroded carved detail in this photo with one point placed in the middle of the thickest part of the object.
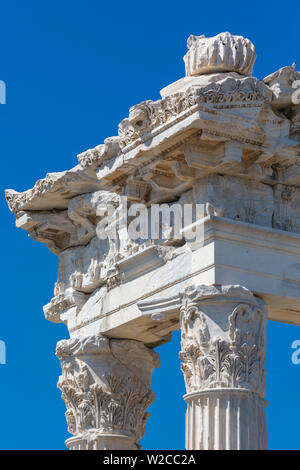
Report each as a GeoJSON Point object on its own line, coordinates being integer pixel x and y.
{"type": "Point", "coordinates": [106, 385]}
{"type": "Point", "coordinates": [285, 87]}
{"type": "Point", "coordinates": [221, 53]}
{"type": "Point", "coordinates": [232, 358]}
{"type": "Point", "coordinates": [146, 116]}
{"type": "Point", "coordinates": [100, 154]}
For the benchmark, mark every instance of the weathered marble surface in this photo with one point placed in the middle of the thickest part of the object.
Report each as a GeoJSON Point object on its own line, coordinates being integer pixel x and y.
{"type": "Point", "coordinates": [229, 142]}
{"type": "Point", "coordinates": [106, 387]}
{"type": "Point", "coordinates": [221, 53]}
{"type": "Point", "coordinates": [219, 137]}
{"type": "Point", "coordinates": [223, 353]}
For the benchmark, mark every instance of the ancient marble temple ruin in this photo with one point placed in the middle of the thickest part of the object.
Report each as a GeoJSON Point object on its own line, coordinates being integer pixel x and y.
{"type": "Point", "coordinates": [224, 140]}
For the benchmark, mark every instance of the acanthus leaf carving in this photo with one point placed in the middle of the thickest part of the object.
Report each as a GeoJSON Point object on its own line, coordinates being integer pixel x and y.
{"type": "Point", "coordinates": [231, 360]}
{"type": "Point", "coordinates": [148, 115]}
{"type": "Point", "coordinates": [101, 392]}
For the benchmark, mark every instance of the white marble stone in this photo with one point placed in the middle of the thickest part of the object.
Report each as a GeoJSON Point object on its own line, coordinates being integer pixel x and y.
{"type": "Point", "coordinates": [221, 53]}
{"type": "Point", "coordinates": [221, 138]}
{"type": "Point", "coordinates": [106, 387]}
{"type": "Point", "coordinates": [223, 353]}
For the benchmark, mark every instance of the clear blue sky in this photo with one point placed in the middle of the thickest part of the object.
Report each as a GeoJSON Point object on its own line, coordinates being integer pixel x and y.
{"type": "Point", "coordinates": [72, 71]}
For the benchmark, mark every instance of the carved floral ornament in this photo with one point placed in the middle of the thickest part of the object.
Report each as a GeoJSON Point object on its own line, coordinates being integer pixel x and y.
{"type": "Point", "coordinates": [231, 360]}
{"type": "Point", "coordinates": [106, 385]}
{"type": "Point", "coordinates": [235, 153]}
{"type": "Point", "coordinates": [146, 116]}
{"type": "Point", "coordinates": [227, 61]}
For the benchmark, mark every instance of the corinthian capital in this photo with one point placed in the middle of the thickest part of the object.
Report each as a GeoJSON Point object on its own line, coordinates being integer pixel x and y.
{"type": "Point", "coordinates": [106, 387]}
{"type": "Point", "coordinates": [223, 339]}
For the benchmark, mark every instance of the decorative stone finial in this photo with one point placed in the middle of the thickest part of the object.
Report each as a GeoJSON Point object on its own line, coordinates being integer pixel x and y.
{"type": "Point", "coordinates": [221, 53]}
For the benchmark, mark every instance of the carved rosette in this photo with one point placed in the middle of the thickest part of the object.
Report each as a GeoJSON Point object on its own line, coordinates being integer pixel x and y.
{"type": "Point", "coordinates": [106, 387]}
{"type": "Point", "coordinates": [223, 354]}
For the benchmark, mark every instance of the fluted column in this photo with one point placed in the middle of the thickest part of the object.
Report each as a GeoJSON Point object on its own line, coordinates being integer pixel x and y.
{"type": "Point", "coordinates": [223, 354]}
{"type": "Point", "coordinates": [105, 384]}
